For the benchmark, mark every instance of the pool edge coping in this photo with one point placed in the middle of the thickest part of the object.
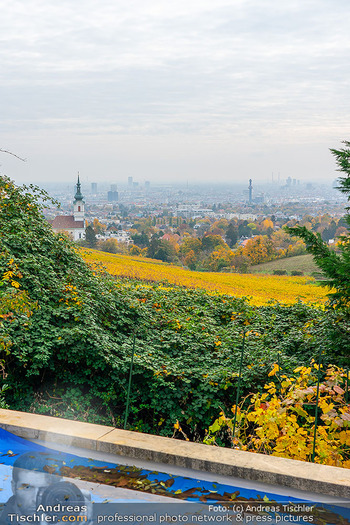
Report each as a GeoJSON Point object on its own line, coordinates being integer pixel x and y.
{"type": "Point", "coordinates": [300, 475]}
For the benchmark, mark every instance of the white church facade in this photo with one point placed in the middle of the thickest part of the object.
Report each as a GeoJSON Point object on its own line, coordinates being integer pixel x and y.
{"type": "Point", "coordinates": [72, 224]}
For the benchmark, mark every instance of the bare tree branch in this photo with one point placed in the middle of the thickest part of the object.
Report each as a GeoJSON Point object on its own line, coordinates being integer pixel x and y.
{"type": "Point", "coordinates": [10, 153]}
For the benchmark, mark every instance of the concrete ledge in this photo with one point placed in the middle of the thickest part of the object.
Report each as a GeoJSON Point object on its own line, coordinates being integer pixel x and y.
{"type": "Point", "coordinates": [54, 429]}
{"type": "Point", "coordinates": [322, 479]}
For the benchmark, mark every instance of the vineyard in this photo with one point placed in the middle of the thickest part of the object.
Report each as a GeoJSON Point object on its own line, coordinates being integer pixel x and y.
{"type": "Point", "coordinates": [260, 288]}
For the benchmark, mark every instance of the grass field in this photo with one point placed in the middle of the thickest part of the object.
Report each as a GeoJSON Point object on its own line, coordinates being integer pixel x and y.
{"type": "Point", "coordinates": [304, 263]}
{"type": "Point", "coordinates": [261, 288]}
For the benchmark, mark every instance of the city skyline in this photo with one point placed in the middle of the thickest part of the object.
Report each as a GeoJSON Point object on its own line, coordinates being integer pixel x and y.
{"type": "Point", "coordinates": [172, 92]}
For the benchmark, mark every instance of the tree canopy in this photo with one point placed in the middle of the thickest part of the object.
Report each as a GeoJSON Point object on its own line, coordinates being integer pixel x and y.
{"type": "Point", "coordinates": [334, 263]}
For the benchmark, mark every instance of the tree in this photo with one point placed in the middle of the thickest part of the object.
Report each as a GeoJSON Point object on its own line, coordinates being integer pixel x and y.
{"type": "Point", "coordinates": [112, 246]}
{"type": "Point", "coordinates": [220, 258]}
{"type": "Point", "coordinates": [335, 265]}
{"type": "Point", "coordinates": [190, 260]}
{"type": "Point", "coordinates": [13, 154]}
{"type": "Point", "coordinates": [153, 247]}
{"type": "Point", "coordinates": [211, 242]}
{"type": "Point", "coordinates": [259, 249]}
{"type": "Point", "coordinates": [135, 250]}
{"type": "Point", "coordinates": [231, 235]}
{"type": "Point", "coordinates": [190, 244]}
{"type": "Point", "coordinates": [90, 237]}
{"type": "Point", "coordinates": [329, 233]}
{"type": "Point", "coordinates": [161, 250]}
{"type": "Point", "coordinates": [98, 227]}
{"type": "Point", "coordinates": [244, 230]}
{"type": "Point", "coordinates": [140, 240]}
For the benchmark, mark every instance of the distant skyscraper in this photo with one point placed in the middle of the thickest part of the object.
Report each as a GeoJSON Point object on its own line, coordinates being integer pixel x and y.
{"type": "Point", "coordinates": [147, 184]}
{"type": "Point", "coordinates": [94, 187]}
{"type": "Point", "coordinates": [113, 187]}
{"type": "Point", "coordinates": [112, 196]}
{"type": "Point", "coordinates": [130, 182]}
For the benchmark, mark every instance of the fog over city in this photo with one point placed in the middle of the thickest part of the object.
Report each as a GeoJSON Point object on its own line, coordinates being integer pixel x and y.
{"type": "Point", "coordinates": [173, 92]}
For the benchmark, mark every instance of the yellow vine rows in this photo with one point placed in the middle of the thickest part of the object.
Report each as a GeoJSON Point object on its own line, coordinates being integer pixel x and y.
{"type": "Point", "coordinates": [261, 288]}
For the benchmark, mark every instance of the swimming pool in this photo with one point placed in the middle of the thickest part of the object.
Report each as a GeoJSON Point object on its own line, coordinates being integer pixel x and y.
{"type": "Point", "coordinates": [151, 484]}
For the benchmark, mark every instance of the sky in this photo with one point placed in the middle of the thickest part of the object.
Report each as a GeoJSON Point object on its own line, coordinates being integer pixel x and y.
{"type": "Point", "coordinates": [184, 91]}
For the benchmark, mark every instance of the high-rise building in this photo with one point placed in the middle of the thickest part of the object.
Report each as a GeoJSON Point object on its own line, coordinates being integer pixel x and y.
{"type": "Point", "coordinates": [112, 195]}
{"type": "Point", "coordinates": [94, 187]}
{"type": "Point", "coordinates": [129, 182]}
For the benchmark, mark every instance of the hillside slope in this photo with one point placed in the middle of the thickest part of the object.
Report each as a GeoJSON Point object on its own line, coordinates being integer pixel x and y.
{"type": "Point", "coordinates": [303, 263]}
{"type": "Point", "coordinates": [261, 288]}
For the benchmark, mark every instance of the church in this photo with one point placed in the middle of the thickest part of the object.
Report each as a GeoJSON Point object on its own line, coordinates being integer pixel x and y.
{"type": "Point", "coordinates": [72, 224]}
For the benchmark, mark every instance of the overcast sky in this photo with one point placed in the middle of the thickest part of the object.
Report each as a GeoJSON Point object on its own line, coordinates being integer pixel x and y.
{"type": "Point", "coordinates": [185, 90]}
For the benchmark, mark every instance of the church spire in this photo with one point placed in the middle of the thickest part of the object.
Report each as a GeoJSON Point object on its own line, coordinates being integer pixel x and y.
{"type": "Point", "coordinates": [79, 204]}
{"type": "Point", "coordinates": [78, 196]}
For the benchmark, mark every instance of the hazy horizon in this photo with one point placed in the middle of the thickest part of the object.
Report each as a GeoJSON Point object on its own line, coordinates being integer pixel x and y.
{"type": "Point", "coordinates": [173, 92]}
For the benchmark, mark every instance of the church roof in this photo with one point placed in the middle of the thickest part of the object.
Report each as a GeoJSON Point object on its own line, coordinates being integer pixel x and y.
{"type": "Point", "coordinates": [66, 222]}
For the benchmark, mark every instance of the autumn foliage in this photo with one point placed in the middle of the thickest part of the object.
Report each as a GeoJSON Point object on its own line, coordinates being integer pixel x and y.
{"type": "Point", "coordinates": [281, 420]}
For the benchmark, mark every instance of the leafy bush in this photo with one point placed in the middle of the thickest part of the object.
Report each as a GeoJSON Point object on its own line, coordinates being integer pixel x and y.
{"type": "Point", "coordinates": [280, 272]}
{"type": "Point", "coordinates": [60, 322]}
{"type": "Point", "coordinates": [297, 272]}
{"type": "Point", "coordinates": [281, 421]}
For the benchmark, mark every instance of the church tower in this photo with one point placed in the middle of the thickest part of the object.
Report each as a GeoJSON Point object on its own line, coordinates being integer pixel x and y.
{"type": "Point", "coordinates": [74, 224]}
{"type": "Point", "coordinates": [79, 204]}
